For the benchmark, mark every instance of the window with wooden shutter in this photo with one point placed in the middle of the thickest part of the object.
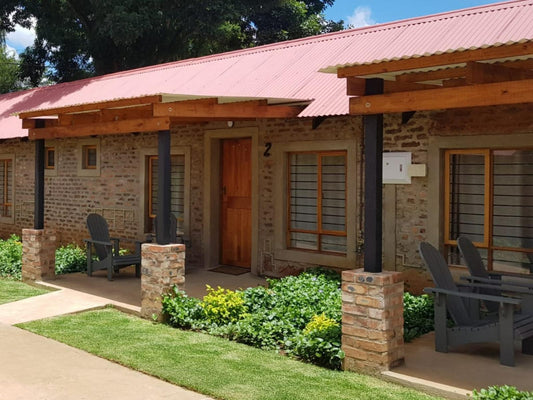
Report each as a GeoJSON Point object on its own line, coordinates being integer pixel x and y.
{"type": "Point", "coordinates": [489, 198]}
{"type": "Point", "coordinates": [317, 201]}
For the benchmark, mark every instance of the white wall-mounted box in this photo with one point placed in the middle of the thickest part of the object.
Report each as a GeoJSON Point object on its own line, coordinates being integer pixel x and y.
{"type": "Point", "coordinates": [396, 167]}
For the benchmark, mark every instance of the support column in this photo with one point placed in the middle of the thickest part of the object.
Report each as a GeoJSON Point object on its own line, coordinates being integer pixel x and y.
{"type": "Point", "coordinates": [162, 267]}
{"type": "Point", "coordinates": [373, 128]}
{"type": "Point", "coordinates": [372, 320]}
{"type": "Point", "coordinates": [163, 189]}
{"type": "Point", "coordinates": [38, 254]}
{"type": "Point", "coordinates": [38, 222]}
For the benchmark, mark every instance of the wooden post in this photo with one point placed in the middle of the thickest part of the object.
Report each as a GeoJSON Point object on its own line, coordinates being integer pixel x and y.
{"type": "Point", "coordinates": [373, 128]}
{"type": "Point", "coordinates": [163, 189]}
{"type": "Point", "coordinates": [38, 222]}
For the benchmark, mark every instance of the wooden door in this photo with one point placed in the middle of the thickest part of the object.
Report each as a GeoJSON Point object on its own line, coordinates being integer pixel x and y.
{"type": "Point", "coordinates": [236, 202]}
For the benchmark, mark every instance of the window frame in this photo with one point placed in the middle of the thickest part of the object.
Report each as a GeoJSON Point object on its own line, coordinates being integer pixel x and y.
{"type": "Point", "coordinates": [83, 146]}
{"type": "Point", "coordinates": [8, 158]}
{"type": "Point", "coordinates": [488, 194]}
{"type": "Point", "coordinates": [319, 231]}
{"type": "Point", "coordinates": [47, 158]}
{"type": "Point", "coordinates": [277, 246]}
{"type": "Point", "coordinates": [146, 182]}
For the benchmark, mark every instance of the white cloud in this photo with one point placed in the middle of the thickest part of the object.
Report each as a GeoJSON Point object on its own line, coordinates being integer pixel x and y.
{"type": "Point", "coordinates": [361, 17]}
{"type": "Point", "coordinates": [21, 37]}
{"type": "Point", "coordinates": [11, 52]}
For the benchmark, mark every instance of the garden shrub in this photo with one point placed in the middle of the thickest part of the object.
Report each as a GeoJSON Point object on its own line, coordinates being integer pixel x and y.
{"type": "Point", "coordinates": [320, 342]}
{"type": "Point", "coordinates": [418, 316]}
{"type": "Point", "coordinates": [298, 315]}
{"type": "Point", "coordinates": [70, 258]}
{"type": "Point", "coordinates": [223, 306]}
{"type": "Point", "coordinates": [181, 310]}
{"type": "Point", "coordinates": [11, 258]}
{"type": "Point", "coordinates": [501, 393]}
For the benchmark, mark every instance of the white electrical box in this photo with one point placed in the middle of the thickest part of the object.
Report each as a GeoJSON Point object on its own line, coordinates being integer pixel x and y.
{"type": "Point", "coordinates": [396, 167]}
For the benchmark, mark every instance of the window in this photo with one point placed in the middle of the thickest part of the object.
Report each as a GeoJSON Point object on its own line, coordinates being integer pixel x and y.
{"type": "Point", "coordinates": [489, 198]}
{"type": "Point", "coordinates": [6, 187]}
{"type": "Point", "coordinates": [317, 202]}
{"type": "Point", "coordinates": [89, 157]}
{"type": "Point", "coordinates": [177, 189]}
{"type": "Point", "coordinates": [49, 158]}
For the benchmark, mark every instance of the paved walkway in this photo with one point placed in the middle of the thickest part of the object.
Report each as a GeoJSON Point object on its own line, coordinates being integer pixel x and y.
{"type": "Point", "coordinates": [34, 367]}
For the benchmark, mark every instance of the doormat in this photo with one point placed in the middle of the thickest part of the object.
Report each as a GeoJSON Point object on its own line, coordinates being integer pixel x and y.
{"type": "Point", "coordinates": [230, 269]}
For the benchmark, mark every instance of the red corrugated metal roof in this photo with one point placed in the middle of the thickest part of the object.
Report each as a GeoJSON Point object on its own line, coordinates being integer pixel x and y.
{"type": "Point", "coordinates": [289, 70]}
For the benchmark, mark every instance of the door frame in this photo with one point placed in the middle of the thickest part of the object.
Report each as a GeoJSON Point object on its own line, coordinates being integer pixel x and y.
{"type": "Point", "coordinates": [211, 220]}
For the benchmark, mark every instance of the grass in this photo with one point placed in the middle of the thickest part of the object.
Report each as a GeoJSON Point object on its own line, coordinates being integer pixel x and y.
{"type": "Point", "coordinates": [207, 364]}
{"type": "Point", "coordinates": [11, 290]}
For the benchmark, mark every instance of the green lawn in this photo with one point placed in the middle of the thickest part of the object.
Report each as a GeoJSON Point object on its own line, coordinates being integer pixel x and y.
{"type": "Point", "coordinates": [209, 365]}
{"type": "Point", "coordinates": [14, 290]}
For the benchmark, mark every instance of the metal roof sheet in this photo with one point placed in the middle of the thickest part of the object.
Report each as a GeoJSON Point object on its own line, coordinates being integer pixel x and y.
{"type": "Point", "coordinates": [288, 70]}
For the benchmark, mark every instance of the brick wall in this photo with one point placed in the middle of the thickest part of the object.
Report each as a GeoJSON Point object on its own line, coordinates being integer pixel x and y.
{"type": "Point", "coordinates": [119, 187]}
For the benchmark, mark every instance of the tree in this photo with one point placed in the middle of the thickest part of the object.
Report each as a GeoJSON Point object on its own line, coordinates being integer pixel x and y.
{"type": "Point", "coordinates": [79, 38]}
{"type": "Point", "coordinates": [9, 72]}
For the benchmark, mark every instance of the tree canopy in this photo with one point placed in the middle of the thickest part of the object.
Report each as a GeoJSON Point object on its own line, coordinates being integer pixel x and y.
{"type": "Point", "coordinates": [9, 72]}
{"type": "Point", "coordinates": [80, 38]}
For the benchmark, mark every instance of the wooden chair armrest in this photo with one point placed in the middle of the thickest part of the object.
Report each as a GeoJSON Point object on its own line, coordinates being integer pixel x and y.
{"type": "Point", "coordinates": [497, 283]}
{"type": "Point", "coordinates": [477, 296]}
{"type": "Point", "coordinates": [98, 242]}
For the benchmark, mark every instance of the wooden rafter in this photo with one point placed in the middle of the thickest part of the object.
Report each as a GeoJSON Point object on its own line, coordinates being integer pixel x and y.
{"type": "Point", "coordinates": [477, 72]}
{"type": "Point", "coordinates": [451, 97]}
{"type": "Point", "coordinates": [93, 106]}
{"type": "Point", "coordinates": [102, 128]}
{"type": "Point", "coordinates": [211, 109]}
{"type": "Point", "coordinates": [458, 57]}
{"type": "Point", "coordinates": [356, 86]}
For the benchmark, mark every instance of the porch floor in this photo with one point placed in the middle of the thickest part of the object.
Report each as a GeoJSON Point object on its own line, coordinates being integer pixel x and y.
{"type": "Point", "coordinates": [465, 368]}
{"type": "Point", "coordinates": [125, 288]}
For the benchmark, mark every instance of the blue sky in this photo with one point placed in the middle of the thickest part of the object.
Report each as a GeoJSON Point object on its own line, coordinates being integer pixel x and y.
{"type": "Point", "coordinates": [368, 12]}
{"type": "Point", "coordinates": [372, 12]}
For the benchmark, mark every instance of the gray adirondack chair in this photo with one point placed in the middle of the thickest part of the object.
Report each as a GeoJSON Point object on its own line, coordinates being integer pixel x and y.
{"type": "Point", "coordinates": [507, 329]}
{"type": "Point", "coordinates": [107, 248]}
{"type": "Point", "coordinates": [522, 286]}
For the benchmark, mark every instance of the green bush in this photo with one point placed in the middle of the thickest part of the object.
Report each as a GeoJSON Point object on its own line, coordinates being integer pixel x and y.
{"type": "Point", "coordinates": [501, 393]}
{"type": "Point", "coordinates": [11, 258]}
{"type": "Point", "coordinates": [299, 315]}
{"type": "Point", "coordinates": [181, 310]}
{"type": "Point", "coordinates": [70, 258]}
{"type": "Point", "coordinates": [320, 342]}
{"type": "Point", "coordinates": [417, 315]}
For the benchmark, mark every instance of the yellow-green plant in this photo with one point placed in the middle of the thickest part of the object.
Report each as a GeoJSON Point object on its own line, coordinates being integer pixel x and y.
{"type": "Point", "coordinates": [222, 306]}
{"type": "Point", "coordinates": [320, 323]}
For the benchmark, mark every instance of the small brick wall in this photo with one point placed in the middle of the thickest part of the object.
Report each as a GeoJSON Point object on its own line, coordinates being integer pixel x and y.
{"type": "Point", "coordinates": [372, 320]}
{"type": "Point", "coordinates": [162, 267]}
{"type": "Point", "coordinates": [38, 254]}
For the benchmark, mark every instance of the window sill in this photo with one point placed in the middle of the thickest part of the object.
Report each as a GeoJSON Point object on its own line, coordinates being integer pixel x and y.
{"type": "Point", "coordinates": [327, 260]}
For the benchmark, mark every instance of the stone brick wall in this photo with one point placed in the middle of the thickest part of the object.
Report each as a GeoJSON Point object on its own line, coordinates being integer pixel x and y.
{"type": "Point", "coordinates": [38, 254]}
{"type": "Point", "coordinates": [372, 320]}
{"type": "Point", "coordinates": [163, 266]}
{"type": "Point", "coordinates": [118, 190]}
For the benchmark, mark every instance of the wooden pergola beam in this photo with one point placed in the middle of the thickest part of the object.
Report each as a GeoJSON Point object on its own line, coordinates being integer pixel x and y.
{"type": "Point", "coordinates": [477, 72]}
{"type": "Point", "coordinates": [213, 110]}
{"type": "Point", "coordinates": [356, 86]}
{"type": "Point", "coordinates": [458, 57]}
{"type": "Point", "coordinates": [123, 103]}
{"type": "Point", "coordinates": [488, 94]}
{"type": "Point", "coordinates": [102, 128]}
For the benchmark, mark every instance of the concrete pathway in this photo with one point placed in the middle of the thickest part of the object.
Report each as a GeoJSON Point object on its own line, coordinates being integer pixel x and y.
{"type": "Point", "coordinates": [34, 367]}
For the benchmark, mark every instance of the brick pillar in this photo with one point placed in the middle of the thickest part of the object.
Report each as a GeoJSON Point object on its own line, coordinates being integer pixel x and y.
{"type": "Point", "coordinates": [372, 320]}
{"type": "Point", "coordinates": [38, 254]}
{"type": "Point", "coordinates": [163, 266]}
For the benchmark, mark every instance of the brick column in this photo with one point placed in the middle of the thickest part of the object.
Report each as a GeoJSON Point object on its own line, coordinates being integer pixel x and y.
{"type": "Point", "coordinates": [38, 254]}
{"type": "Point", "coordinates": [372, 320]}
{"type": "Point", "coordinates": [163, 266]}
